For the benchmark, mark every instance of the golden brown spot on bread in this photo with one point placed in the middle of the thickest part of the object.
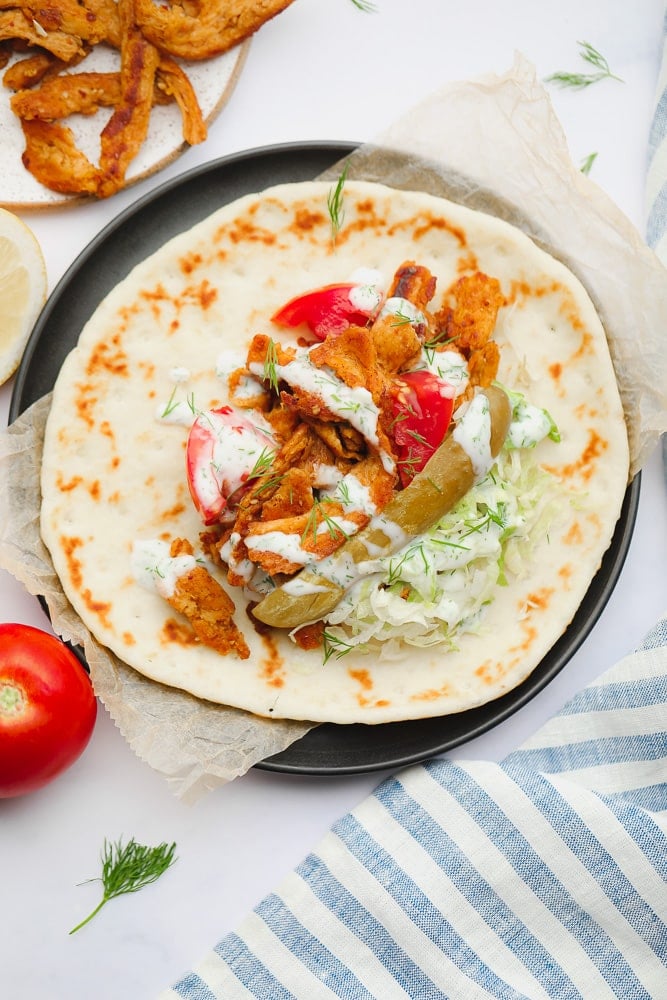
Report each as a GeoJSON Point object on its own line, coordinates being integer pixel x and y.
{"type": "Point", "coordinates": [95, 489]}
{"type": "Point", "coordinates": [487, 673]}
{"type": "Point", "coordinates": [431, 694]}
{"type": "Point", "coordinates": [362, 677]}
{"type": "Point", "coordinates": [522, 290]}
{"type": "Point", "coordinates": [69, 544]}
{"type": "Point", "coordinates": [108, 356]}
{"type": "Point", "coordinates": [574, 534]}
{"type": "Point", "coordinates": [204, 294]}
{"type": "Point", "coordinates": [565, 572]}
{"type": "Point", "coordinates": [66, 486]}
{"type": "Point", "coordinates": [107, 430]}
{"type": "Point", "coordinates": [272, 664]}
{"type": "Point", "coordinates": [99, 608]}
{"type": "Point", "coordinates": [530, 633]}
{"type": "Point", "coordinates": [423, 223]}
{"type": "Point", "coordinates": [128, 639]}
{"type": "Point", "coordinates": [585, 465]}
{"type": "Point", "coordinates": [306, 221]}
{"type": "Point", "coordinates": [157, 294]}
{"type": "Point", "coordinates": [189, 261]}
{"type": "Point", "coordinates": [556, 370]}
{"type": "Point", "coordinates": [85, 402]}
{"type": "Point", "coordinates": [244, 231]}
{"type": "Point", "coordinates": [177, 632]}
{"type": "Point", "coordinates": [540, 598]}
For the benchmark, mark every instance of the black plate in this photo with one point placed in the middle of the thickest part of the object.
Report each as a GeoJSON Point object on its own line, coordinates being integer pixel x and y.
{"type": "Point", "coordinates": [133, 235]}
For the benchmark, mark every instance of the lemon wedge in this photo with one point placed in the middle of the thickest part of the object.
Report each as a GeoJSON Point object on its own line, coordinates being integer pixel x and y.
{"type": "Point", "coordinates": [23, 288]}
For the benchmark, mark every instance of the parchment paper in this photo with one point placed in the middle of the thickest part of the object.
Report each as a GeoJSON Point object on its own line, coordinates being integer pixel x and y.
{"type": "Point", "coordinates": [494, 144]}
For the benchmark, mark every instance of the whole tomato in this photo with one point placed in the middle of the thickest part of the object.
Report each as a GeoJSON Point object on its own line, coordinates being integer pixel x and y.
{"type": "Point", "coordinates": [47, 708]}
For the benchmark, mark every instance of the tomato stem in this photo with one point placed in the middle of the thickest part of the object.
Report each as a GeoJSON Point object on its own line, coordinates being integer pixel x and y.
{"type": "Point", "coordinates": [12, 700]}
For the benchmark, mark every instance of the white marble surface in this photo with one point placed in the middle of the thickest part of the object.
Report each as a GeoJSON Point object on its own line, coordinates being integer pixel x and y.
{"type": "Point", "coordinates": [322, 70]}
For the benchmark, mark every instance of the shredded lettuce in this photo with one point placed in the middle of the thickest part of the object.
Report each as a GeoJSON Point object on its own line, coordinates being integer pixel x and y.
{"type": "Point", "coordinates": [437, 587]}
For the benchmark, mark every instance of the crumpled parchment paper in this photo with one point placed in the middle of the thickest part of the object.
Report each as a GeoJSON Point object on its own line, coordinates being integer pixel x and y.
{"type": "Point", "coordinates": [494, 144]}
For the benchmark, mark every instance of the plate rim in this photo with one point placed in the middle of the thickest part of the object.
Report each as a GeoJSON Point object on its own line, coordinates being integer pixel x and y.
{"type": "Point", "coordinates": [485, 717]}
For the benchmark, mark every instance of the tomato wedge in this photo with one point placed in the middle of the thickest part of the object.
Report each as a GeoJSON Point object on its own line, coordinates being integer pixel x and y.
{"type": "Point", "coordinates": [330, 309]}
{"type": "Point", "coordinates": [47, 708]}
{"type": "Point", "coordinates": [421, 410]}
{"type": "Point", "coordinates": [224, 451]}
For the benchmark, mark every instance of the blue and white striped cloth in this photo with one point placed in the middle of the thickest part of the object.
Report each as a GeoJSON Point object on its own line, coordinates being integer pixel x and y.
{"type": "Point", "coordinates": [543, 876]}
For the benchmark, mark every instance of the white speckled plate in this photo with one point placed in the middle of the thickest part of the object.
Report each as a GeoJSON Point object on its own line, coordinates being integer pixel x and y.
{"type": "Point", "coordinates": [212, 79]}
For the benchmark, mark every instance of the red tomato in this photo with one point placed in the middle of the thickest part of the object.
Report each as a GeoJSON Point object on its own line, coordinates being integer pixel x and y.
{"type": "Point", "coordinates": [421, 416]}
{"type": "Point", "coordinates": [225, 449]}
{"type": "Point", "coordinates": [47, 708]}
{"type": "Point", "coordinates": [326, 310]}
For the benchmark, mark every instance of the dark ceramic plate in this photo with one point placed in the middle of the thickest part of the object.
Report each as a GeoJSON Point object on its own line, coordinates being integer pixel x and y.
{"type": "Point", "coordinates": [136, 233]}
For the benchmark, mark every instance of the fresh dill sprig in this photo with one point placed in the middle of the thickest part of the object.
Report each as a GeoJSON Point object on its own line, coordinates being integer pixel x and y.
{"type": "Point", "coordinates": [171, 404]}
{"type": "Point", "coordinates": [342, 493]}
{"type": "Point", "coordinates": [334, 646]}
{"type": "Point", "coordinates": [335, 204]}
{"type": "Point", "coordinates": [316, 513]}
{"type": "Point", "coordinates": [263, 463]}
{"type": "Point", "coordinates": [400, 319]}
{"type": "Point", "coordinates": [578, 81]}
{"type": "Point", "coordinates": [367, 6]}
{"type": "Point", "coordinates": [587, 163]}
{"type": "Point", "coordinates": [128, 868]}
{"type": "Point", "coordinates": [269, 484]}
{"type": "Point", "coordinates": [270, 372]}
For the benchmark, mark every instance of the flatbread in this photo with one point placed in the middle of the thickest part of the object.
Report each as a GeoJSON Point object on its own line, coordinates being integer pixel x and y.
{"type": "Point", "coordinates": [113, 474]}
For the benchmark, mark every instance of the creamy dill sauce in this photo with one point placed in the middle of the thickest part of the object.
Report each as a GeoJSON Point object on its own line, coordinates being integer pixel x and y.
{"type": "Point", "coordinates": [351, 493]}
{"type": "Point", "coordinates": [366, 298]}
{"type": "Point", "coordinates": [473, 434]}
{"type": "Point", "coordinates": [402, 309]}
{"type": "Point", "coordinates": [449, 366]}
{"type": "Point", "coordinates": [155, 569]}
{"type": "Point", "coordinates": [298, 586]}
{"type": "Point", "coordinates": [529, 426]}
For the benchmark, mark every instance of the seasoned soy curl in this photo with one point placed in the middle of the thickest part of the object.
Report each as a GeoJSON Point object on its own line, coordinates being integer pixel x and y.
{"type": "Point", "coordinates": [216, 26]}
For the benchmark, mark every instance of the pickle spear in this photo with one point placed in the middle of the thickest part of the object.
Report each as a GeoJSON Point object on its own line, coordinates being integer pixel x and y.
{"type": "Point", "coordinates": [463, 458]}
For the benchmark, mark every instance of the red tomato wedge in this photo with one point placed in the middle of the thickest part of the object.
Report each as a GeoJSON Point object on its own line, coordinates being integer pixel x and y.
{"type": "Point", "coordinates": [47, 708]}
{"type": "Point", "coordinates": [224, 451]}
{"type": "Point", "coordinates": [329, 310]}
{"type": "Point", "coordinates": [421, 416]}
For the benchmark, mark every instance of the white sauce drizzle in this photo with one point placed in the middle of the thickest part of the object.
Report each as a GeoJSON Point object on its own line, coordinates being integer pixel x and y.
{"type": "Point", "coordinates": [449, 366]}
{"type": "Point", "coordinates": [298, 587]}
{"type": "Point", "coordinates": [155, 569]}
{"type": "Point", "coordinates": [529, 425]}
{"type": "Point", "coordinates": [473, 434]}
{"type": "Point", "coordinates": [403, 308]}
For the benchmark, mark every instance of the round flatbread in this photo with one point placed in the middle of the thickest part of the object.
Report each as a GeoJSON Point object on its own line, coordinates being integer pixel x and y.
{"type": "Point", "coordinates": [113, 471]}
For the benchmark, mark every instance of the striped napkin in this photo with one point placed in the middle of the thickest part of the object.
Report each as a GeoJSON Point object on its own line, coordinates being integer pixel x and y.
{"type": "Point", "coordinates": [542, 876]}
